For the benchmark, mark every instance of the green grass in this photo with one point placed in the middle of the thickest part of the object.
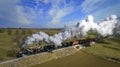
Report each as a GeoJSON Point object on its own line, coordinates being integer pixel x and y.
{"type": "Point", "coordinates": [79, 59]}
{"type": "Point", "coordinates": [110, 48]}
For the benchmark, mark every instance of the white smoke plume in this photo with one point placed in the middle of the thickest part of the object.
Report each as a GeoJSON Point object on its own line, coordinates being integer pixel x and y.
{"type": "Point", "coordinates": [107, 26]}
{"type": "Point", "coordinates": [103, 28]}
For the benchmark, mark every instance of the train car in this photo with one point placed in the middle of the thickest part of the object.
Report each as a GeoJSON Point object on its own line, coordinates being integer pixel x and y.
{"type": "Point", "coordinates": [50, 48]}
{"type": "Point", "coordinates": [66, 44]}
{"type": "Point", "coordinates": [75, 43]}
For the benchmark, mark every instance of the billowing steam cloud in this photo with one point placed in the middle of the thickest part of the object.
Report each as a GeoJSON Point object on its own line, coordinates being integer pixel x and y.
{"type": "Point", "coordinates": [103, 28]}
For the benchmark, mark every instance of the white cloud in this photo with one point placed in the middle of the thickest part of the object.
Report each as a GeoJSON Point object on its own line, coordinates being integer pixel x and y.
{"type": "Point", "coordinates": [91, 5]}
{"type": "Point", "coordinates": [8, 10]}
{"type": "Point", "coordinates": [25, 15]}
{"type": "Point", "coordinates": [57, 13]}
{"type": "Point", "coordinates": [24, 18]}
{"type": "Point", "coordinates": [12, 13]}
{"type": "Point", "coordinates": [107, 12]}
{"type": "Point", "coordinates": [100, 8]}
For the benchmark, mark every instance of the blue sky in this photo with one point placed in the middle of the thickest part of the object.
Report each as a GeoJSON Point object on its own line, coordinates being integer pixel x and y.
{"type": "Point", "coordinates": [53, 13]}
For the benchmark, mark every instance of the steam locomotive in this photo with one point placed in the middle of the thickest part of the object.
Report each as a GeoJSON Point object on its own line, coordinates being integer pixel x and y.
{"type": "Point", "coordinates": [50, 48]}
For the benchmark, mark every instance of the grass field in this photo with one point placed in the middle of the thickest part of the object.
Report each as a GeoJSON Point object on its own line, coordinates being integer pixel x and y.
{"type": "Point", "coordinates": [10, 40]}
{"type": "Point", "coordinates": [79, 59]}
{"type": "Point", "coordinates": [110, 48]}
